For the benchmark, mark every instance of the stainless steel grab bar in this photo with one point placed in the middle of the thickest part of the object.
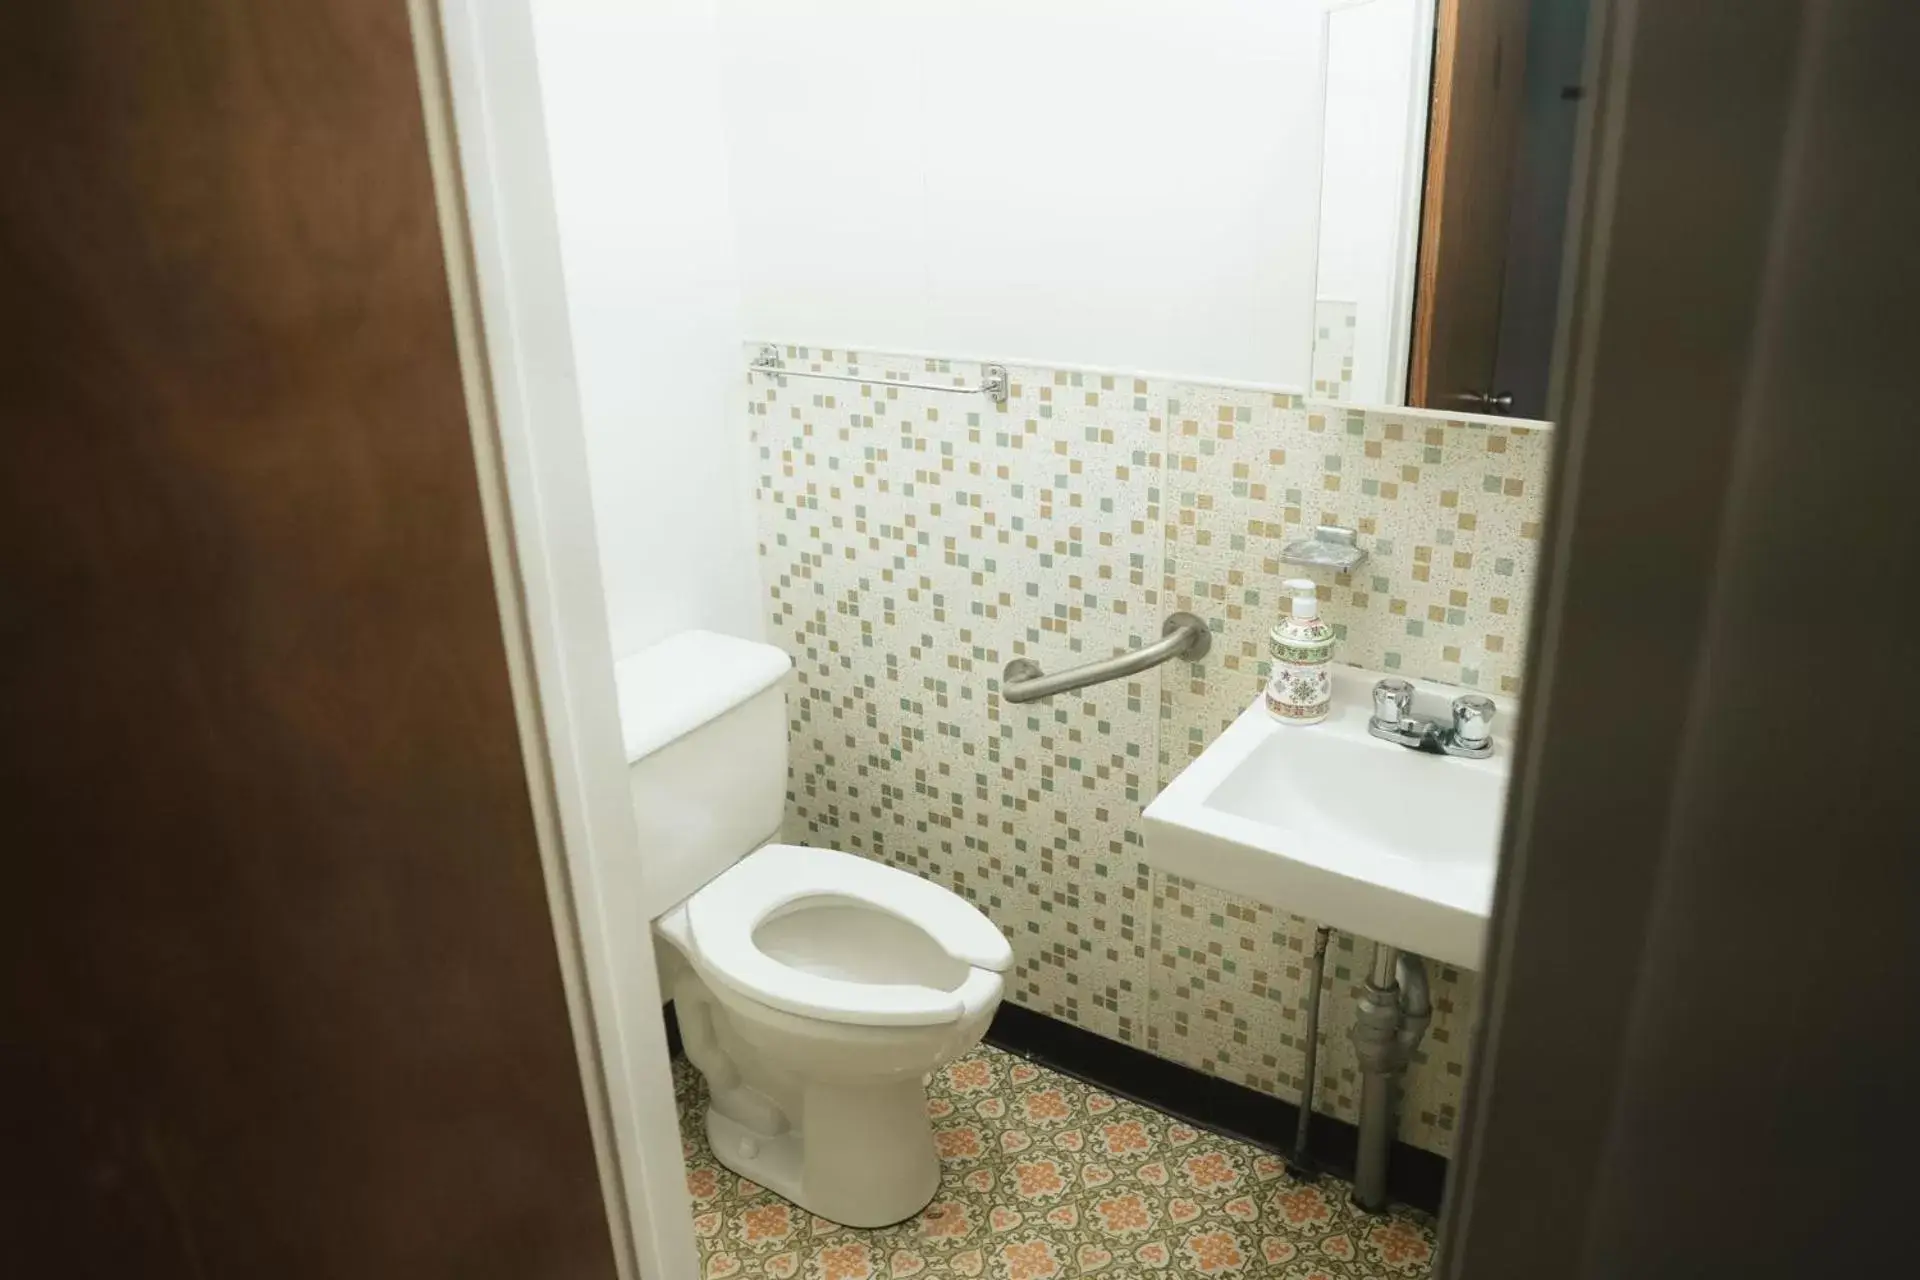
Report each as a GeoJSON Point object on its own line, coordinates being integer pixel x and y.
{"type": "Point", "coordinates": [993, 377]}
{"type": "Point", "coordinates": [1184, 636]}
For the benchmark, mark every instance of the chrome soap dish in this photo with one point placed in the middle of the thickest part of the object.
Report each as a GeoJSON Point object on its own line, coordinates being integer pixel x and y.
{"type": "Point", "coordinates": [1332, 546]}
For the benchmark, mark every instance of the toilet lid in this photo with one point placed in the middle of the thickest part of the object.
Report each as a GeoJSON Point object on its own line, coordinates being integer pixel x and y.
{"type": "Point", "coordinates": [723, 916]}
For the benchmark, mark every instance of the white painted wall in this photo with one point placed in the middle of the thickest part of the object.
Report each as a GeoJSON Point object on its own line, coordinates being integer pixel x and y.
{"type": "Point", "coordinates": [639, 158]}
{"type": "Point", "coordinates": [1371, 169]}
{"type": "Point", "coordinates": [1129, 184]}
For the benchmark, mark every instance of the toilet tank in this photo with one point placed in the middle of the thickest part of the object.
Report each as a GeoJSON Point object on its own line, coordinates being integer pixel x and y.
{"type": "Point", "coordinates": [704, 719]}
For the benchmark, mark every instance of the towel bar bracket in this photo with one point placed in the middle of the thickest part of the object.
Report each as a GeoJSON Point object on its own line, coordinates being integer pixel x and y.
{"type": "Point", "coordinates": [993, 384]}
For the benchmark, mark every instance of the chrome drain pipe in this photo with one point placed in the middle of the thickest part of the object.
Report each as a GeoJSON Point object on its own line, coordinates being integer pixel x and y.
{"type": "Point", "coordinates": [1393, 1012]}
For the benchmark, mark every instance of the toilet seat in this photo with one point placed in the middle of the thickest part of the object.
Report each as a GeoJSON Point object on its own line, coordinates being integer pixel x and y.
{"type": "Point", "coordinates": [723, 916]}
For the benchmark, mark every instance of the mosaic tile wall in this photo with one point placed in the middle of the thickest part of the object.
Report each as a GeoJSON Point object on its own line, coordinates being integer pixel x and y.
{"type": "Point", "coordinates": [914, 542]}
{"type": "Point", "coordinates": [1335, 325]}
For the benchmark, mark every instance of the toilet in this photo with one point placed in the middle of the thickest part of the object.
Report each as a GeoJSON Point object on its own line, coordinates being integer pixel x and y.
{"type": "Point", "coordinates": [815, 990]}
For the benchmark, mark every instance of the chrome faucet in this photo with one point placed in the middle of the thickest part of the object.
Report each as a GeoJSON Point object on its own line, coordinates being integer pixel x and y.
{"type": "Point", "coordinates": [1393, 721]}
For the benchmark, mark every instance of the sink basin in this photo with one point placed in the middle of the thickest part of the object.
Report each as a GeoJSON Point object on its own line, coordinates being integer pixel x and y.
{"type": "Point", "coordinates": [1333, 824]}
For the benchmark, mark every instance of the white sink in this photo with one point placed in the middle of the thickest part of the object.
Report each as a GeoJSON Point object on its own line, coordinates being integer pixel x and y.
{"type": "Point", "coordinates": [1330, 823]}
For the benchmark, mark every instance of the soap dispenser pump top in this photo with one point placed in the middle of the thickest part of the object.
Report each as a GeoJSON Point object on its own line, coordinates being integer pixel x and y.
{"type": "Point", "coordinates": [1299, 690]}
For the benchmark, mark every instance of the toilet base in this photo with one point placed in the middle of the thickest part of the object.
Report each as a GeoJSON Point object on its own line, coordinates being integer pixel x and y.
{"type": "Point", "coordinates": [774, 1163]}
{"type": "Point", "coordinates": [831, 1115]}
{"type": "Point", "coordinates": [870, 1162]}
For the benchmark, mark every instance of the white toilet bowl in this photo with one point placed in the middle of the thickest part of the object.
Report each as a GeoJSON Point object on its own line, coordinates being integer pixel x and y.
{"type": "Point", "coordinates": [815, 992]}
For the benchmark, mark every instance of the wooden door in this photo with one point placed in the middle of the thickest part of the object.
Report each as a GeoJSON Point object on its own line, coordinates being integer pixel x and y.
{"type": "Point", "coordinates": [279, 994]}
{"type": "Point", "coordinates": [1479, 74]}
{"type": "Point", "coordinates": [1696, 1005]}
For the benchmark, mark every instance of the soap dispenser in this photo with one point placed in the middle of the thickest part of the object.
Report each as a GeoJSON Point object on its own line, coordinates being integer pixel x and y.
{"type": "Point", "coordinates": [1300, 691]}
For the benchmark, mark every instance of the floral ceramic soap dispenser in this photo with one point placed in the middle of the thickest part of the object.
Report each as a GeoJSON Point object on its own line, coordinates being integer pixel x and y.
{"type": "Point", "coordinates": [1300, 691]}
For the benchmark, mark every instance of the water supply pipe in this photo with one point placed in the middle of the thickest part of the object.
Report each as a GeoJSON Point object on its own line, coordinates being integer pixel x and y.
{"type": "Point", "coordinates": [1300, 1162]}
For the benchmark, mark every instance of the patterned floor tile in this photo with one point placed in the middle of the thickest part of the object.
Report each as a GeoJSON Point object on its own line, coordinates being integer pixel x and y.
{"type": "Point", "coordinates": [1044, 1177]}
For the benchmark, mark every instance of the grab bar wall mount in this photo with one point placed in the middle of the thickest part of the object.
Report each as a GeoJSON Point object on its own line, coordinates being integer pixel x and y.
{"type": "Point", "coordinates": [1183, 636]}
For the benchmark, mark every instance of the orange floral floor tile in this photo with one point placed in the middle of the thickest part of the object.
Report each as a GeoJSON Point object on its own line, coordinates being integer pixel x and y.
{"type": "Point", "coordinates": [1043, 1177]}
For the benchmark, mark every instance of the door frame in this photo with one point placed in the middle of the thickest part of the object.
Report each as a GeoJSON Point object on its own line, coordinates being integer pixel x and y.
{"type": "Point", "coordinates": [1405, 249]}
{"type": "Point", "coordinates": [1413, 186]}
{"type": "Point", "coordinates": [480, 83]}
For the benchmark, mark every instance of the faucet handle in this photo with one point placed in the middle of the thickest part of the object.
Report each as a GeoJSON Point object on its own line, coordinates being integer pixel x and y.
{"type": "Point", "coordinates": [1472, 719]}
{"type": "Point", "coordinates": [1392, 701]}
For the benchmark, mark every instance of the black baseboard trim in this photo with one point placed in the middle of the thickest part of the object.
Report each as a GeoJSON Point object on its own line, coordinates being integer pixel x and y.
{"type": "Point", "coordinates": [1414, 1177]}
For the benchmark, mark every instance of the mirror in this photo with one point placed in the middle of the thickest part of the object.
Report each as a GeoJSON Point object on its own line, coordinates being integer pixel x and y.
{"type": "Point", "coordinates": [1448, 159]}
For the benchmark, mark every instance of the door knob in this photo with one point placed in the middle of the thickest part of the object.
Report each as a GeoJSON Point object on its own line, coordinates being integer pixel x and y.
{"type": "Point", "coordinates": [1486, 401]}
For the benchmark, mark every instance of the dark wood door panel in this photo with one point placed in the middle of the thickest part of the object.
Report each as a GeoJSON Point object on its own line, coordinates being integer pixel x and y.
{"type": "Point", "coordinates": [1478, 77]}
{"type": "Point", "coordinates": [280, 993]}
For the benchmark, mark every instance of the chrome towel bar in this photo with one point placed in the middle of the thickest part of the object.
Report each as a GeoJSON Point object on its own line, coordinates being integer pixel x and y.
{"type": "Point", "coordinates": [993, 377]}
{"type": "Point", "coordinates": [1183, 636]}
